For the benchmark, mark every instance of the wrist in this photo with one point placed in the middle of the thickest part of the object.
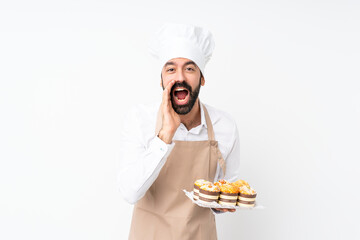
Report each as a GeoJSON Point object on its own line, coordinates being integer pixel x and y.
{"type": "Point", "coordinates": [165, 136]}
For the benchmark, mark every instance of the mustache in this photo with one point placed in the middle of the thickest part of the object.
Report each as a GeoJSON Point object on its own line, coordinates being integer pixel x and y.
{"type": "Point", "coordinates": [183, 85]}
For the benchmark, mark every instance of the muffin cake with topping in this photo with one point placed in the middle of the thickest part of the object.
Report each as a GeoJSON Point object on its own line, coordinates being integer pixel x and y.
{"type": "Point", "coordinates": [209, 193]}
{"type": "Point", "coordinates": [198, 183]}
{"type": "Point", "coordinates": [247, 197]}
{"type": "Point", "coordinates": [228, 194]}
{"type": "Point", "coordinates": [238, 193]}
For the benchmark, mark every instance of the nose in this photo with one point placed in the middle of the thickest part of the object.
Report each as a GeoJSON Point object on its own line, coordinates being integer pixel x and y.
{"type": "Point", "coordinates": [180, 76]}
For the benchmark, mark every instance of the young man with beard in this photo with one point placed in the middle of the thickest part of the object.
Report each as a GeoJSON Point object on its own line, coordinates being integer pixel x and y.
{"type": "Point", "coordinates": [164, 150]}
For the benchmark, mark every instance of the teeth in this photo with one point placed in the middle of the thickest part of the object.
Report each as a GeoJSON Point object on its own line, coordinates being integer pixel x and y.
{"type": "Point", "coordinates": [180, 89]}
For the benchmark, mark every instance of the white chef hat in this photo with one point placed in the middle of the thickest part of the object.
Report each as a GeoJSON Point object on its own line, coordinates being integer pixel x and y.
{"type": "Point", "coordinates": [182, 41]}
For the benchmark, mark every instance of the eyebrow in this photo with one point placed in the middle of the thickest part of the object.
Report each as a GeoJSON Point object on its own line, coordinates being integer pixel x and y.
{"type": "Point", "coordinates": [172, 63]}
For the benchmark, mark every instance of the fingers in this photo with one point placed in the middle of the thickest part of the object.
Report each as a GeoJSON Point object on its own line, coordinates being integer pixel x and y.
{"type": "Point", "coordinates": [170, 84]}
{"type": "Point", "coordinates": [166, 94]}
{"type": "Point", "coordinates": [225, 210]}
{"type": "Point", "coordinates": [167, 89]}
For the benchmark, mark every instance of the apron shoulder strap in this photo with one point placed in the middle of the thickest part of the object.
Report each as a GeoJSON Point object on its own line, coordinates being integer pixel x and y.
{"type": "Point", "coordinates": [211, 137]}
{"type": "Point", "coordinates": [209, 125]}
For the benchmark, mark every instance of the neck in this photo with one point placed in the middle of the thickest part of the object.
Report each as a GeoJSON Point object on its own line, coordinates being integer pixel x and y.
{"type": "Point", "coordinates": [193, 118]}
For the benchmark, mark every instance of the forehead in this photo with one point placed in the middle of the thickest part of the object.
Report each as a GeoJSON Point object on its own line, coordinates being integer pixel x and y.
{"type": "Point", "coordinates": [179, 62]}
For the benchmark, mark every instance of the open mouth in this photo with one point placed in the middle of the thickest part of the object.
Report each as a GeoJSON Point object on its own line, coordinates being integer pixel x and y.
{"type": "Point", "coordinates": [181, 95]}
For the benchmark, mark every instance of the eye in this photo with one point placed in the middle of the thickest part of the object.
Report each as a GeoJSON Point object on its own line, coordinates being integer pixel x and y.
{"type": "Point", "coordinates": [170, 69]}
{"type": "Point", "coordinates": [190, 69]}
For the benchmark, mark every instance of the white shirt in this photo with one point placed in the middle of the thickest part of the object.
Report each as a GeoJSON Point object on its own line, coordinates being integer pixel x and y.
{"type": "Point", "coordinates": [143, 154]}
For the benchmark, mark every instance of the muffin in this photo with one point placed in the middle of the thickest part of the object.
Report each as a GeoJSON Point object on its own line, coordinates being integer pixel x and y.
{"type": "Point", "coordinates": [246, 197]}
{"type": "Point", "coordinates": [228, 194]}
{"type": "Point", "coordinates": [209, 193]}
{"type": "Point", "coordinates": [198, 183]}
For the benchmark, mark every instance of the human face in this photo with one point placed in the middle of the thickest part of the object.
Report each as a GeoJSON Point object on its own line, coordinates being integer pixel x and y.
{"type": "Point", "coordinates": [188, 79]}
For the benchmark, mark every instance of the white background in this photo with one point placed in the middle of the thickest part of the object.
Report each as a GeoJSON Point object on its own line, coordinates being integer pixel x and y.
{"type": "Point", "coordinates": [287, 71]}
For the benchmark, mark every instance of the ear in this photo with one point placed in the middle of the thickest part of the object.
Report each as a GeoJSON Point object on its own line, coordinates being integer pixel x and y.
{"type": "Point", "coordinates": [202, 81]}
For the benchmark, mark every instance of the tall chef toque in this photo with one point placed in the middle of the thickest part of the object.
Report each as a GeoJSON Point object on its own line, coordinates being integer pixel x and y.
{"type": "Point", "coordinates": [182, 41]}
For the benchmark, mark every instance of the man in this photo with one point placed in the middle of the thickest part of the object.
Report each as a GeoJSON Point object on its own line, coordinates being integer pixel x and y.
{"type": "Point", "coordinates": [164, 150]}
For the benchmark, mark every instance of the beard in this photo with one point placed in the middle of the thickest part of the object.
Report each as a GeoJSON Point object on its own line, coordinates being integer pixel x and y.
{"type": "Point", "coordinates": [193, 95]}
